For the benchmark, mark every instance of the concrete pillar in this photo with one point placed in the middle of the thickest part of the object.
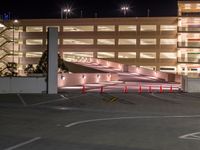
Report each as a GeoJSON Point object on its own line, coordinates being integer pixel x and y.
{"type": "Point", "coordinates": [52, 82]}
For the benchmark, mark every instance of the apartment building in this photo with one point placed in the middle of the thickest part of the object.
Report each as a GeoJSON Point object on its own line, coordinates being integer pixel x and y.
{"type": "Point", "coordinates": [168, 44]}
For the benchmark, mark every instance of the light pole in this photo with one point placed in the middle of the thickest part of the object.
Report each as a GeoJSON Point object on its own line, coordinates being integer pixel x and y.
{"type": "Point", "coordinates": [67, 11]}
{"type": "Point", "coordinates": [14, 22]}
{"type": "Point", "coordinates": [125, 9]}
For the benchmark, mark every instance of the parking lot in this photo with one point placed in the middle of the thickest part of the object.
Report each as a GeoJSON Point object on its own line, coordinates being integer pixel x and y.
{"type": "Point", "coordinates": [110, 121]}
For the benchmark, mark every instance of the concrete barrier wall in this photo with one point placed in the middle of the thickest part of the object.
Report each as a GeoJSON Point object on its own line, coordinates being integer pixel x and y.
{"type": "Point", "coordinates": [23, 85]}
{"type": "Point", "coordinates": [168, 77]}
{"type": "Point", "coordinates": [191, 85]}
{"type": "Point", "coordinates": [84, 78]}
{"type": "Point", "coordinates": [114, 65]}
{"type": "Point", "coordinates": [148, 72]}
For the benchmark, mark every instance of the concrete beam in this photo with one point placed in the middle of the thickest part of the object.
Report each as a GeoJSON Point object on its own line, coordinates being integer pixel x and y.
{"type": "Point", "coordinates": [52, 81]}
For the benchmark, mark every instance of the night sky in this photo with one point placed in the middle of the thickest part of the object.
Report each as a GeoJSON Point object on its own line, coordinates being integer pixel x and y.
{"type": "Point", "coordinates": [29, 9]}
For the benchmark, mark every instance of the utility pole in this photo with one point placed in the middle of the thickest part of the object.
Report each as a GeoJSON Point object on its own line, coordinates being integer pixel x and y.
{"type": "Point", "coordinates": [81, 14]}
{"type": "Point", "coordinates": [148, 12]}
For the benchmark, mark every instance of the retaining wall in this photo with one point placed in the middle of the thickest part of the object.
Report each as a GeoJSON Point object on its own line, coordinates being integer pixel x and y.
{"type": "Point", "coordinates": [23, 85]}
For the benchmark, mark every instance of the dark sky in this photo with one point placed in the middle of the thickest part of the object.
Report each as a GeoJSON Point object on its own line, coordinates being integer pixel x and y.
{"type": "Point", "coordinates": [105, 8]}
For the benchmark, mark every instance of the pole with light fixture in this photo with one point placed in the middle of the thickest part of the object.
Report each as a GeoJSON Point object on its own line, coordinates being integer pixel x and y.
{"type": "Point", "coordinates": [125, 9]}
{"type": "Point", "coordinates": [14, 22]}
{"type": "Point", "coordinates": [67, 11]}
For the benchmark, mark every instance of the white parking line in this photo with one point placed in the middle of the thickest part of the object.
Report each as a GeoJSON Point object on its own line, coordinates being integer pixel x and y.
{"type": "Point", "coordinates": [63, 96]}
{"type": "Point", "coordinates": [47, 102]}
{"type": "Point", "coordinates": [191, 136]}
{"type": "Point", "coordinates": [22, 100]}
{"type": "Point", "coordinates": [78, 96]}
{"type": "Point", "coordinates": [23, 143]}
{"type": "Point", "coordinates": [127, 118]}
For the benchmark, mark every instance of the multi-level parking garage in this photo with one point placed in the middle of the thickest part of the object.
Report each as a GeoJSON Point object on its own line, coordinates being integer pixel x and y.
{"type": "Point", "coordinates": [165, 44]}
{"type": "Point", "coordinates": [144, 42]}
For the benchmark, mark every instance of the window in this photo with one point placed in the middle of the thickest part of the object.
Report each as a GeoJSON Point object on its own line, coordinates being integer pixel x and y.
{"type": "Point", "coordinates": [106, 28]}
{"type": "Point", "coordinates": [149, 67]}
{"type": "Point", "coordinates": [34, 42]}
{"type": "Point", "coordinates": [148, 28]}
{"type": "Point", "coordinates": [167, 55]}
{"type": "Point", "coordinates": [147, 41]}
{"type": "Point", "coordinates": [78, 41]}
{"type": "Point", "coordinates": [106, 41]}
{"type": "Point", "coordinates": [18, 54]}
{"type": "Point", "coordinates": [20, 42]}
{"type": "Point", "coordinates": [78, 28]}
{"type": "Point", "coordinates": [187, 6]}
{"type": "Point", "coordinates": [126, 55]}
{"type": "Point", "coordinates": [148, 55]}
{"type": "Point", "coordinates": [127, 28]}
{"type": "Point", "coordinates": [127, 42]}
{"type": "Point", "coordinates": [167, 68]}
{"type": "Point", "coordinates": [34, 54]}
{"type": "Point", "coordinates": [34, 29]}
{"type": "Point", "coordinates": [77, 54]}
{"type": "Point", "coordinates": [52, 26]}
{"type": "Point", "coordinates": [168, 41]}
{"type": "Point", "coordinates": [105, 54]}
{"type": "Point", "coordinates": [168, 28]}
{"type": "Point", "coordinates": [20, 29]}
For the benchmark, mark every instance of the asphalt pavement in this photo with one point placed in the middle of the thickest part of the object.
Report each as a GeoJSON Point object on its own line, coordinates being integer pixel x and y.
{"type": "Point", "coordinates": [93, 121]}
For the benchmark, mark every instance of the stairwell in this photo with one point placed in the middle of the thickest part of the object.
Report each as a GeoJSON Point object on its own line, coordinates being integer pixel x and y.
{"type": "Point", "coordinates": [6, 49]}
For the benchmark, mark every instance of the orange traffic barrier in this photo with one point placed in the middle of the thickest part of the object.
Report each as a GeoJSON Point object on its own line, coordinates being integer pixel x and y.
{"type": "Point", "coordinates": [101, 90]}
{"type": "Point", "coordinates": [161, 89]}
{"type": "Point", "coordinates": [171, 89]}
{"type": "Point", "coordinates": [150, 90]}
{"type": "Point", "coordinates": [140, 89]}
{"type": "Point", "coordinates": [83, 91]}
{"type": "Point", "coordinates": [125, 89]}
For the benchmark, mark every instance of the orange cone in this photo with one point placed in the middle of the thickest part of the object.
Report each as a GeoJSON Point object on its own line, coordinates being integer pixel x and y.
{"type": "Point", "coordinates": [161, 89]}
{"type": "Point", "coordinates": [125, 89]}
{"type": "Point", "coordinates": [171, 90]}
{"type": "Point", "coordinates": [101, 90]}
{"type": "Point", "coordinates": [150, 90]}
{"type": "Point", "coordinates": [83, 91]}
{"type": "Point", "coordinates": [140, 89]}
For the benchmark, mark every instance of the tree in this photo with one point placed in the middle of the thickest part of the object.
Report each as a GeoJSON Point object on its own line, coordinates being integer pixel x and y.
{"type": "Point", "coordinates": [42, 66]}
{"type": "Point", "coordinates": [29, 69]}
{"type": "Point", "coordinates": [11, 70]}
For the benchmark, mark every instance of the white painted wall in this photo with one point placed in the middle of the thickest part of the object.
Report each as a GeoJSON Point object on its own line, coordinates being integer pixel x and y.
{"type": "Point", "coordinates": [85, 78]}
{"type": "Point", "coordinates": [23, 85]}
{"type": "Point", "coordinates": [191, 85]}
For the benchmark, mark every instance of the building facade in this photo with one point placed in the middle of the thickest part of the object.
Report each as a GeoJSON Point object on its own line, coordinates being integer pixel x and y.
{"type": "Point", "coordinates": [168, 44]}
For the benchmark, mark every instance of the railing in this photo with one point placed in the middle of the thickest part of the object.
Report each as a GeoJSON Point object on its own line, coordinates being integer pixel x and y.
{"type": "Point", "coordinates": [4, 30]}
{"type": "Point", "coordinates": [189, 44]}
{"type": "Point", "coordinates": [189, 29]}
{"type": "Point", "coordinates": [188, 60]}
{"type": "Point", "coordinates": [7, 37]}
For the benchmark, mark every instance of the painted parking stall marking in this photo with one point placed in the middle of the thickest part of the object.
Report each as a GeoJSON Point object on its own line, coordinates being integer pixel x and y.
{"type": "Point", "coordinates": [191, 136]}
{"type": "Point", "coordinates": [23, 143]}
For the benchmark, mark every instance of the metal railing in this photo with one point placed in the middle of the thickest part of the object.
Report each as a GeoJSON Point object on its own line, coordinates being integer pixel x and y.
{"type": "Point", "coordinates": [188, 60]}
{"type": "Point", "coordinates": [7, 37]}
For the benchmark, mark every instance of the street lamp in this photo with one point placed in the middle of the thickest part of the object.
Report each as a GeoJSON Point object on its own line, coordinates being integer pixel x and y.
{"type": "Point", "coordinates": [67, 11]}
{"type": "Point", "coordinates": [125, 9]}
{"type": "Point", "coordinates": [14, 23]}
